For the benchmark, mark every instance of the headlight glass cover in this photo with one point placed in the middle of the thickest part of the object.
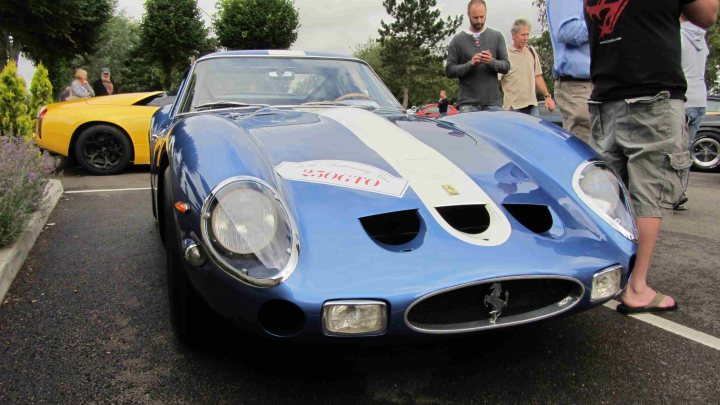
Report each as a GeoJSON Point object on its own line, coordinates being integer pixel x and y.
{"type": "Point", "coordinates": [248, 232]}
{"type": "Point", "coordinates": [361, 317]}
{"type": "Point", "coordinates": [606, 283]}
{"type": "Point", "coordinates": [601, 190]}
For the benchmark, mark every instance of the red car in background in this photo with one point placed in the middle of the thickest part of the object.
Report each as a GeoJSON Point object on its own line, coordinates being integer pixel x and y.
{"type": "Point", "coordinates": [431, 110]}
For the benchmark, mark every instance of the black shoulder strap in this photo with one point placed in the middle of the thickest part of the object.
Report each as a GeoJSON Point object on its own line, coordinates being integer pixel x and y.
{"type": "Point", "coordinates": [532, 51]}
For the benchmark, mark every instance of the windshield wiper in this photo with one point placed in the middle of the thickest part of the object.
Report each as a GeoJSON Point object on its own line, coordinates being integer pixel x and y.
{"type": "Point", "coordinates": [330, 103]}
{"type": "Point", "coordinates": [338, 104]}
{"type": "Point", "coordinates": [389, 110]}
{"type": "Point", "coordinates": [225, 104]}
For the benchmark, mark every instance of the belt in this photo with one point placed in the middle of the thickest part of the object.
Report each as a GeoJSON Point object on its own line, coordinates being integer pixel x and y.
{"type": "Point", "coordinates": [572, 79]}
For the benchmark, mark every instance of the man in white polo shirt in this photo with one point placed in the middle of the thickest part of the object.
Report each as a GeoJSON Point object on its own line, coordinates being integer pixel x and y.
{"type": "Point", "coordinates": [525, 75]}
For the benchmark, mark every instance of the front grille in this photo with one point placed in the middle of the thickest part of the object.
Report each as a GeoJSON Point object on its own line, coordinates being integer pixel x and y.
{"type": "Point", "coordinates": [464, 308]}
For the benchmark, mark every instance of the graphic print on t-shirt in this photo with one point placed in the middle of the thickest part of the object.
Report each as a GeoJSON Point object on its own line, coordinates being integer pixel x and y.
{"type": "Point", "coordinates": [605, 14]}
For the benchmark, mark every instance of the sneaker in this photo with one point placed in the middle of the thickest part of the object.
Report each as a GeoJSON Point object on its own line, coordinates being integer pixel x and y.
{"type": "Point", "coordinates": [680, 207]}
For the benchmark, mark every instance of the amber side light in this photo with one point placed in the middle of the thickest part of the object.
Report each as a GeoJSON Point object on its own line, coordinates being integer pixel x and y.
{"type": "Point", "coordinates": [181, 207]}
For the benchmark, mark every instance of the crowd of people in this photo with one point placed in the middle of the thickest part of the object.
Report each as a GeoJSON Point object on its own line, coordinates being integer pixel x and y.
{"type": "Point", "coordinates": [629, 81]}
{"type": "Point", "coordinates": [81, 88]}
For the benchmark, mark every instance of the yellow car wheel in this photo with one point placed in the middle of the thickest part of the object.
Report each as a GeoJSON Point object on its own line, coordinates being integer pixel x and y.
{"type": "Point", "coordinates": [103, 150]}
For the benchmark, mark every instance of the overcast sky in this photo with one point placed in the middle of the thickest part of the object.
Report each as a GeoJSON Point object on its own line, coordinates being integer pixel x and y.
{"type": "Point", "coordinates": [338, 26]}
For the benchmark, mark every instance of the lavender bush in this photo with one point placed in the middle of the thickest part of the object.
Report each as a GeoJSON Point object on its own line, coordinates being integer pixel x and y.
{"type": "Point", "coordinates": [24, 175]}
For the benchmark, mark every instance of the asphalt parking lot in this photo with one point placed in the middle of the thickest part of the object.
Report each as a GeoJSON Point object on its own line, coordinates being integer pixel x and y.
{"type": "Point", "coordinates": [86, 321]}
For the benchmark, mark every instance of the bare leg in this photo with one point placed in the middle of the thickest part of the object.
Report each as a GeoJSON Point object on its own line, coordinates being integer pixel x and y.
{"type": "Point", "coordinates": [637, 293]}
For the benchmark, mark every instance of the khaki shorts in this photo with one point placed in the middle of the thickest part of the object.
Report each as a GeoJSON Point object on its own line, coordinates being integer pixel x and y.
{"type": "Point", "coordinates": [572, 97]}
{"type": "Point", "coordinates": [645, 140]}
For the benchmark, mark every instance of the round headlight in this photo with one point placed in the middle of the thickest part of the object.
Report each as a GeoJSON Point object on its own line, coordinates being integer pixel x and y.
{"type": "Point", "coordinates": [601, 190]}
{"type": "Point", "coordinates": [248, 232]}
{"type": "Point", "coordinates": [602, 186]}
{"type": "Point", "coordinates": [244, 221]}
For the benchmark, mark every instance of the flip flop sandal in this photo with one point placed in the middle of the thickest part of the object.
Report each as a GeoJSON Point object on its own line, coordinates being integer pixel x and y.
{"type": "Point", "coordinates": [652, 307]}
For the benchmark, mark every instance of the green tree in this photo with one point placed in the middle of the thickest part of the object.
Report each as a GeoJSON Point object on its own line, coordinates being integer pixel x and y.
{"type": "Point", "coordinates": [8, 50]}
{"type": "Point", "coordinates": [14, 118]}
{"type": "Point", "coordinates": [543, 46]}
{"type": "Point", "coordinates": [142, 75]}
{"type": "Point", "coordinates": [118, 37]}
{"type": "Point", "coordinates": [256, 24]}
{"type": "Point", "coordinates": [432, 76]}
{"type": "Point", "coordinates": [53, 32]}
{"type": "Point", "coordinates": [542, 13]}
{"type": "Point", "coordinates": [171, 33]}
{"type": "Point", "coordinates": [712, 68]}
{"type": "Point", "coordinates": [371, 52]}
{"type": "Point", "coordinates": [413, 42]}
{"type": "Point", "coordinates": [41, 91]}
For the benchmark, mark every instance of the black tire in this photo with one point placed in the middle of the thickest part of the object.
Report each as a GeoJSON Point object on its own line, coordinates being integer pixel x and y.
{"type": "Point", "coordinates": [190, 315]}
{"type": "Point", "coordinates": [705, 151]}
{"type": "Point", "coordinates": [103, 150]}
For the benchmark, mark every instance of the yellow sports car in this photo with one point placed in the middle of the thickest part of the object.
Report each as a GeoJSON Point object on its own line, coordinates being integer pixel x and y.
{"type": "Point", "coordinates": [102, 134]}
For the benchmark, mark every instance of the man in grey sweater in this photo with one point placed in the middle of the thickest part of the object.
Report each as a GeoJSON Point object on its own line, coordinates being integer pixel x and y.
{"type": "Point", "coordinates": [476, 57]}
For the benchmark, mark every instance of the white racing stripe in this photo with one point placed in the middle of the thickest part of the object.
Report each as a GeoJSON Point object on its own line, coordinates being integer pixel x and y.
{"type": "Point", "coordinates": [437, 181]}
{"type": "Point", "coordinates": [673, 327]}
{"type": "Point", "coordinates": [105, 190]}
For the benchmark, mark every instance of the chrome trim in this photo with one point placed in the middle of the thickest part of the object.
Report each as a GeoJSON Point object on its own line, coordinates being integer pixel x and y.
{"type": "Point", "coordinates": [218, 259]}
{"type": "Point", "coordinates": [188, 247]}
{"type": "Point", "coordinates": [603, 271]}
{"type": "Point", "coordinates": [286, 56]}
{"type": "Point", "coordinates": [500, 322]}
{"type": "Point", "coordinates": [590, 203]}
{"type": "Point", "coordinates": [353, 302]}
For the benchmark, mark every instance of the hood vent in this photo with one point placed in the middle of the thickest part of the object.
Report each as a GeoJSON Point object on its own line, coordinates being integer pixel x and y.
{"type": "Point", "coordinates": [393, 228]}
{"type": "Point", "coordinates": [536, 218]}
{"type": "Point", "coordinates": [470, 219]}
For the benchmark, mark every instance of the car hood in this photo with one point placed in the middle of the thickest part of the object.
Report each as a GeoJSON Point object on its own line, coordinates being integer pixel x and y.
{"type": "Point", "coordinates": [387, 163]}
{"type": "Point", "coordinates": [120, 99]}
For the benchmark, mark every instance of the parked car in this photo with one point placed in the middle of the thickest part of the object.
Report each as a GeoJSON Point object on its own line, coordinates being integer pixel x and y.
{"type": "Point", "coordinates": [432, 110]}
{"type": "Point", "coordinates": [102, 134]}
{"type": "Point", "coordinates": [296, 198]}
{"type": "Point", "coordinates": [705, 151]}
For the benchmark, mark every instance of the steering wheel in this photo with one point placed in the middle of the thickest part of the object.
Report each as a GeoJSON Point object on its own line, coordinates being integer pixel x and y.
{"type": "Point", "coordinates": [352, 95]}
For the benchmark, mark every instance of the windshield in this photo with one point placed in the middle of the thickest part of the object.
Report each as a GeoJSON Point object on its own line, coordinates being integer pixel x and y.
{"type": "Point", "coordinates": [280, 81]}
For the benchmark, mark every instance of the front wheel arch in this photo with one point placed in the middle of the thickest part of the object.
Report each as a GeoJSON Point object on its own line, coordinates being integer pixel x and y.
{"type": "Point", "coordinates": [160, 197]}
{"type": "Point", "coordinates": [80, 129]}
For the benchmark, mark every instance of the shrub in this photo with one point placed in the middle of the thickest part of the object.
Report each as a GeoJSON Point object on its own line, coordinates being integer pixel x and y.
{"type": "Point", "coordinates": [41, 91]}
{"type": "Point", "coordinates": [24, 175]}
{"type": "Point", "coordinates": [14, 117]}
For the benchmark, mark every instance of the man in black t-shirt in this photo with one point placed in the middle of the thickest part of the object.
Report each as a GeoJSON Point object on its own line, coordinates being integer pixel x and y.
{"type": "Point", "coordinates": [443, 103]}
{"type": "Point", "coordinates": [637, 116]}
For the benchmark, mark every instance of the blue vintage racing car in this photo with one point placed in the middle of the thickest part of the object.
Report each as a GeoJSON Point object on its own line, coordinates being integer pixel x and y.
{"type": "Point", "coordinates": [296, 198]}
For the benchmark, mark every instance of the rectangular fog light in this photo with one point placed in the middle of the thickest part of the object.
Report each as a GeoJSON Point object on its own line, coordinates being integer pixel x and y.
{"type": "Point", "coordinates": [357, 317]}
{"type": "Point", "coordinates": [606, 283]}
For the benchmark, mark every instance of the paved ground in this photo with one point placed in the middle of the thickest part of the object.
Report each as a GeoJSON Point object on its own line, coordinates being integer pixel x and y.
{"type": "Point", "coordinates": [86, 322]}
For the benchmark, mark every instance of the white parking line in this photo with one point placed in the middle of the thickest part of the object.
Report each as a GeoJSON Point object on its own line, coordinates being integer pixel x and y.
{"type": "Point", "coordinates": [673, 327]}
{"type": "Point", "coordinates": [106, 190]}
